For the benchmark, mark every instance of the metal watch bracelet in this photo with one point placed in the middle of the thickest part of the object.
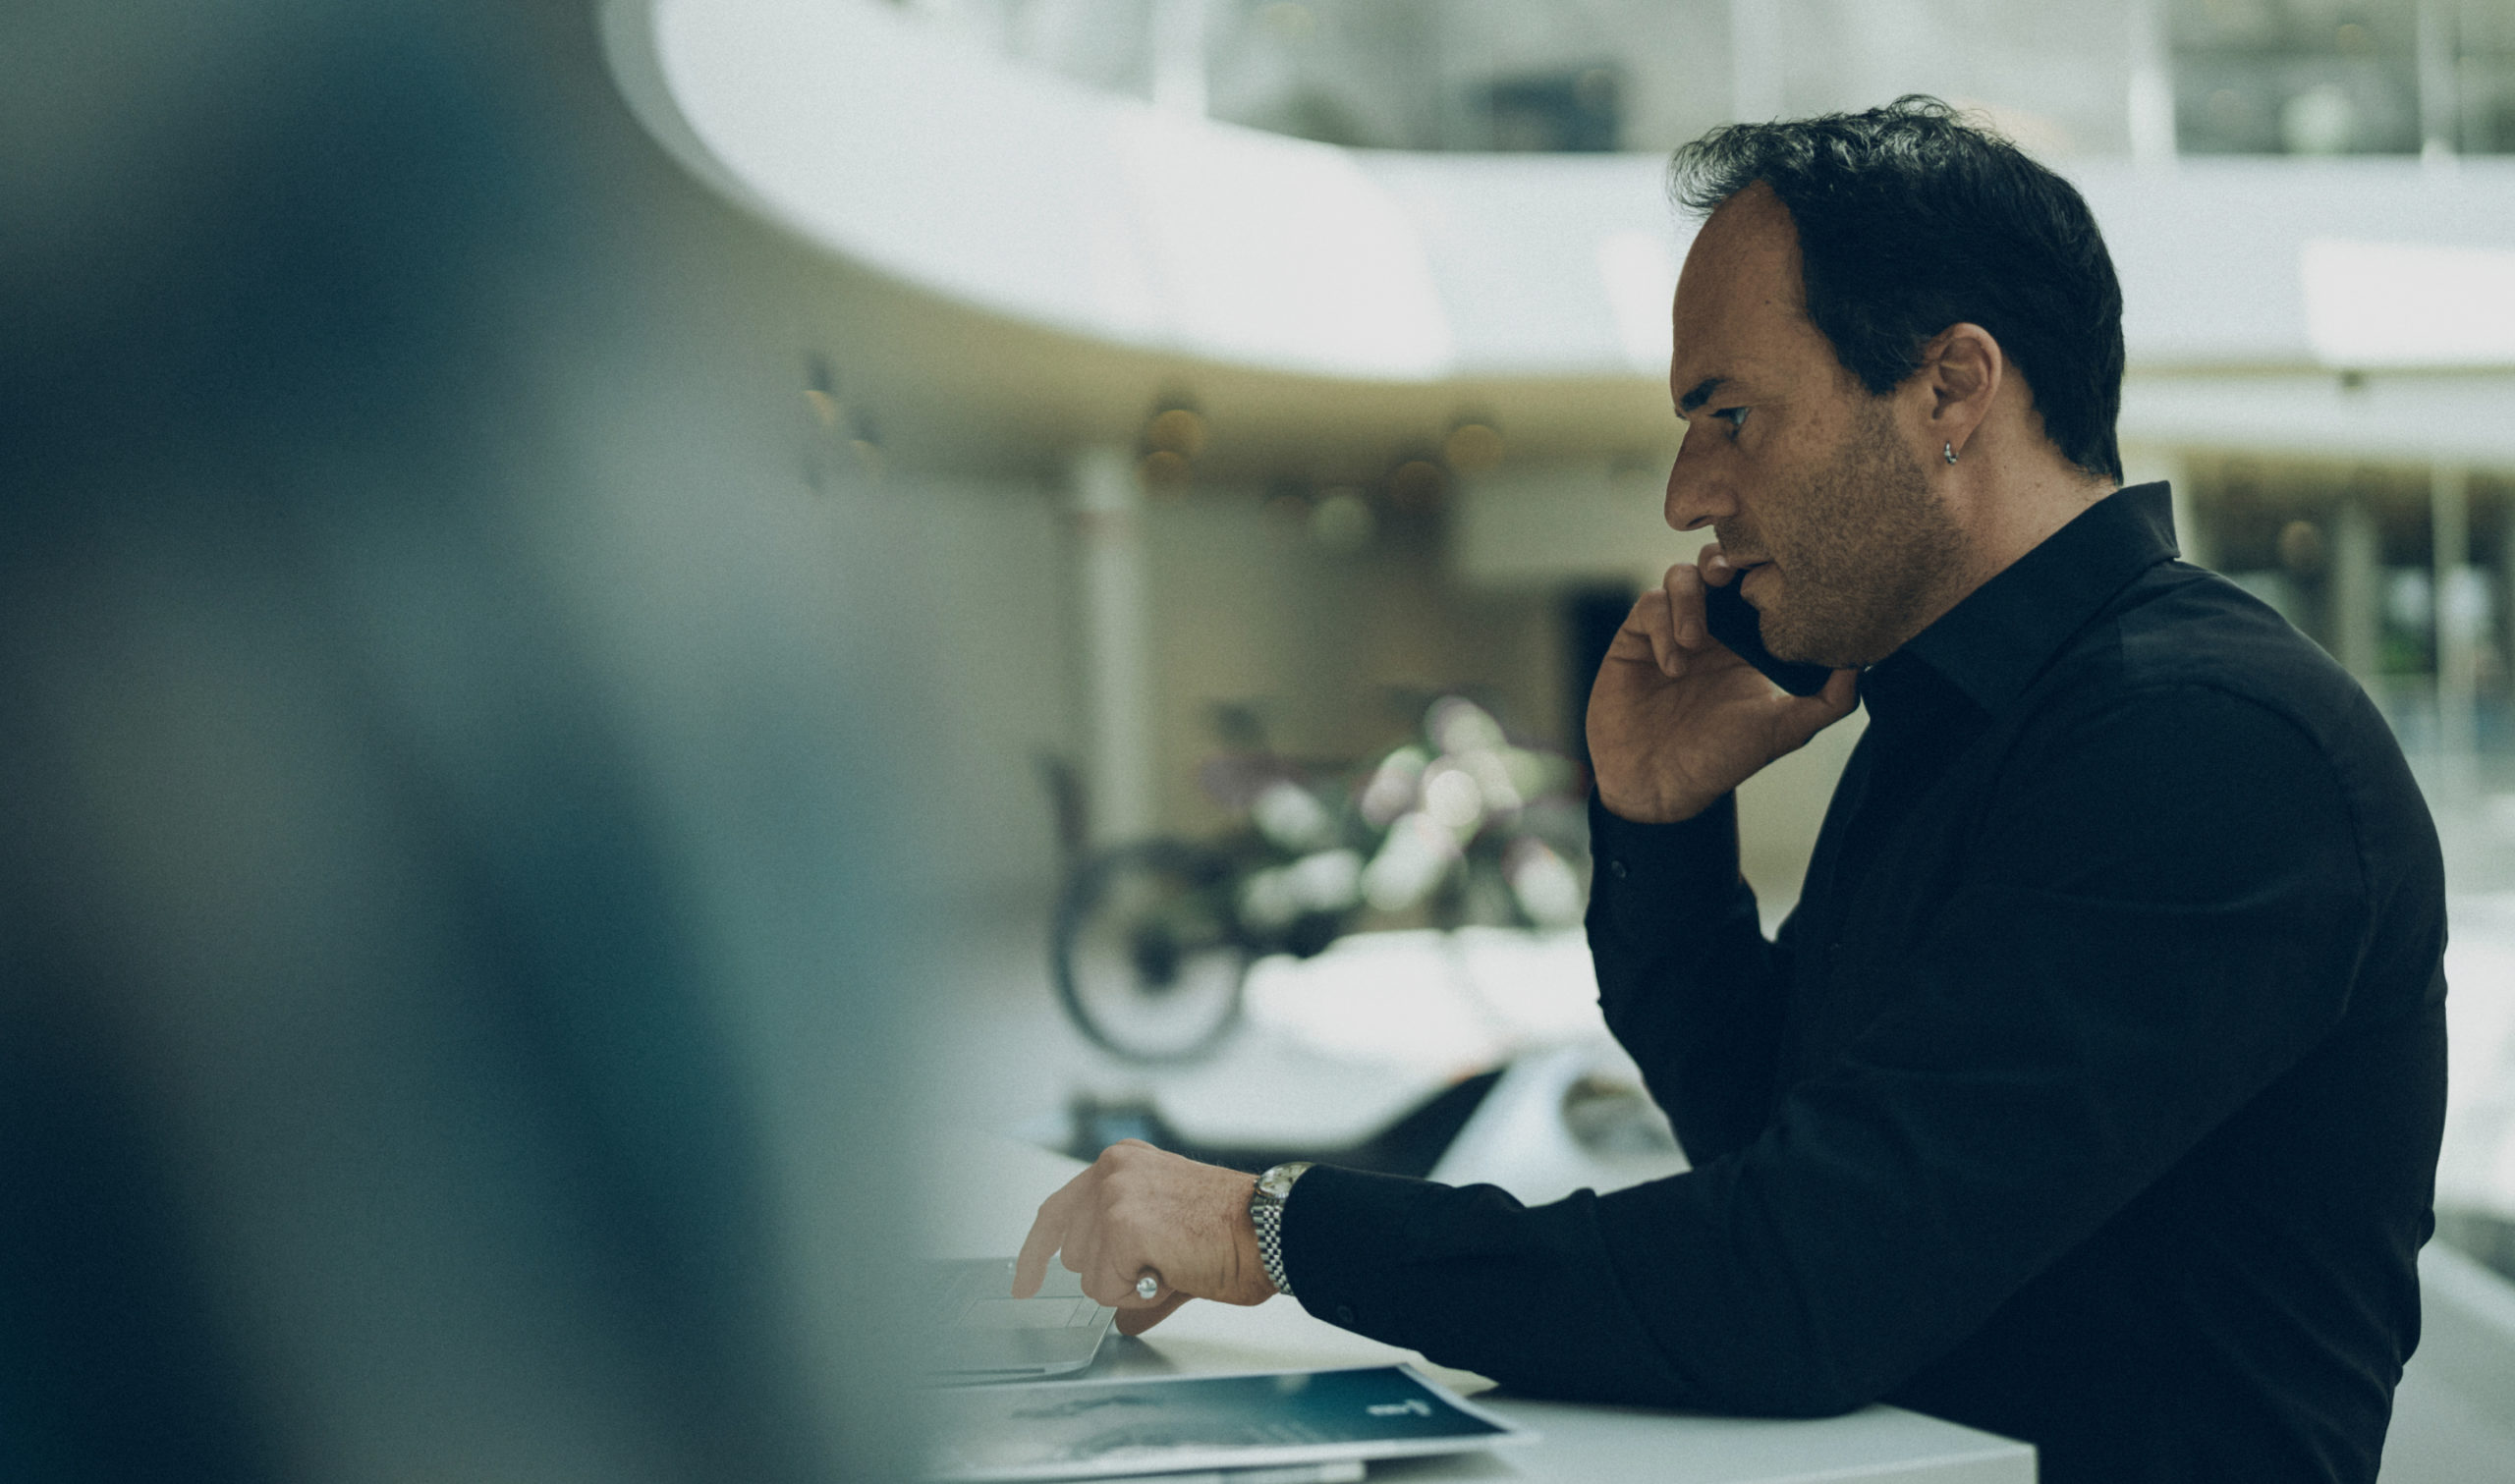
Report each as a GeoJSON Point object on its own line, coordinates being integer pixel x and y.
{"type": "Point", "coordinates": [1266, 1213]}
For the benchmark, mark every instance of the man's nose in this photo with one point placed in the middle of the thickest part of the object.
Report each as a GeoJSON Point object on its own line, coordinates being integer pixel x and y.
{"type": "Point", "coordinates": [1697, 497]}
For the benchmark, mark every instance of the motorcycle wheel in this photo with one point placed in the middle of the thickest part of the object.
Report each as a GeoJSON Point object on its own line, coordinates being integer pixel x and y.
{"type": "Point", "coordinates": [1147, 954]}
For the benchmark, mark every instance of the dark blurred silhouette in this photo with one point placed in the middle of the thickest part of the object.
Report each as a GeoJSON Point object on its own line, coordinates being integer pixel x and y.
{"type": "Point", "coordinates": [445, 897]}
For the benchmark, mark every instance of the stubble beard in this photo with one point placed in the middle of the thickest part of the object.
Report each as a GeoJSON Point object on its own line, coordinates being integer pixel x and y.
{"type": "Point", "coordinates": [1866, 554]}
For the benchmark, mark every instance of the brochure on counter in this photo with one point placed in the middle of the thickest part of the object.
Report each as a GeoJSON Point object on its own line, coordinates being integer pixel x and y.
{"type": "Point", "coordinates": [1045, 1430]}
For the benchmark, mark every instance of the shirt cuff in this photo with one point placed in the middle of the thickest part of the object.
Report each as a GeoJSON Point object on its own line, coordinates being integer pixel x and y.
{"type": "Point", "coordinates": [1337, 1223]}
{"type": "Point", "coordinates": [1640, 869]}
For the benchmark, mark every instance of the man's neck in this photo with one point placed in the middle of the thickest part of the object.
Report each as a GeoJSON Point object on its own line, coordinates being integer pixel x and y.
{"type": "Point", "coordinates": [2002, 518]}
{"type": "Point", "coordinates": [2015, 518]}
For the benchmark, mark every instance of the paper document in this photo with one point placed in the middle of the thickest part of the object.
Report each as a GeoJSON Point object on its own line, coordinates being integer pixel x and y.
{"type": "Point", "coordinates": [1182, 1424]}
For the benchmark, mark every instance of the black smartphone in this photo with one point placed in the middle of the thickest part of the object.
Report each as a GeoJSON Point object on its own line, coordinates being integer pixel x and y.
{"type": "Point", "coordinates": [1734, 622]}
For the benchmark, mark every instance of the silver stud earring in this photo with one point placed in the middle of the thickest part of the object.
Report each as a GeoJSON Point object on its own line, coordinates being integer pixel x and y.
{"type": "Point", "coordinates": [1951, 451]}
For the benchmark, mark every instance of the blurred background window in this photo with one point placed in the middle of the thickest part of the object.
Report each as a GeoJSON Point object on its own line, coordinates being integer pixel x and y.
{"type": "Point", "coordinates": [2246, 77]}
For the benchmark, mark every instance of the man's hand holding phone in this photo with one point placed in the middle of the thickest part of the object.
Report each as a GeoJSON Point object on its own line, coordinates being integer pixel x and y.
{"type": "Point", "coordinates": [1677, 718]}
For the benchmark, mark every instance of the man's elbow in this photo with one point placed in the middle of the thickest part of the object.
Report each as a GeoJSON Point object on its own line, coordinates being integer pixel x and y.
{"type": "Point", "coordinates": [1744, 1391]}
{"type": "Point", "coordinates": [1813, 1379]}
{"type": "Point", "coordinates": [1794, 1392]}
{"type": "Point", "coordinates": [1825, 1401]}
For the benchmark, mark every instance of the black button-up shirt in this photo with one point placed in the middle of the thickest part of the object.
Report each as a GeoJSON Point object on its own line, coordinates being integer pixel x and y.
{"type": "Point", "coordinates": [2091, 1095]}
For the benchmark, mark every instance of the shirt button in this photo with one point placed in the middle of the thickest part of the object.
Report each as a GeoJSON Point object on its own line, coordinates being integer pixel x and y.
{"type": "Point", "coordinates": [1616, 870]}
{"type": "Point", "coordinates": [1345, 1315]}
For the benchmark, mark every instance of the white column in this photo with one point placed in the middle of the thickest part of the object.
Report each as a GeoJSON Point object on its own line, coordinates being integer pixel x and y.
{"type": "Point", "coordinates": [1117, 672]}
{"type": "Point", "coordinates": [2437, 105]}
{"type": "Point", "coordinates": [2152, 88]}
{"type": "Point", "coordinates": [2458, 606]}
{"type": "Point", "coordinates": [2356, 622]}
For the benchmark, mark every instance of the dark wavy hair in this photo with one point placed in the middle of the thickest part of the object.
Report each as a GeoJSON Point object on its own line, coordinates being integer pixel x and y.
{"type": "Point", "coordinates": [1911, 219]}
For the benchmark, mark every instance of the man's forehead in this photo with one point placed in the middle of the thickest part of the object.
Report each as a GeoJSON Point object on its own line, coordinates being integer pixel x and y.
{"type": "Point", "coordinates": [1738, 296]}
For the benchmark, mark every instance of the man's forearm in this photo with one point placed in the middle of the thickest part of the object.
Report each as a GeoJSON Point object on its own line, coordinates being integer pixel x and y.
{"type": "Point", "coordinates": [1473, 1278]}
{"type": "Point", "coordinates": [1686, 979]}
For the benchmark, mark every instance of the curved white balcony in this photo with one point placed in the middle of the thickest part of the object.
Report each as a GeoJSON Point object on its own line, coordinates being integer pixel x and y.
{"type": "Point", "coordinates": [1013, 192]}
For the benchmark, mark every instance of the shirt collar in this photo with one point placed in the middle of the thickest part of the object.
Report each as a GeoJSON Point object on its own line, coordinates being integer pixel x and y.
{"type": "Point", "coordinates": [2002, 634]}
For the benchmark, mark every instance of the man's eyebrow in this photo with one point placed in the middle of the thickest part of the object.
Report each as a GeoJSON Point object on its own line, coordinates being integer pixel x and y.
{"type": "Point", "coordinates": [1701, 394]}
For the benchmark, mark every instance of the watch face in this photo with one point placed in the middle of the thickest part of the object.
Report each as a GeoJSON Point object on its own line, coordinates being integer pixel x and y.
{"type": "Point", "coordinates": [1278, 1182]}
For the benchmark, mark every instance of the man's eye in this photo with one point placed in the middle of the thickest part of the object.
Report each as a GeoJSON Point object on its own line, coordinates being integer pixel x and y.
{"type": "Point", "coordinates": [1736, 416]}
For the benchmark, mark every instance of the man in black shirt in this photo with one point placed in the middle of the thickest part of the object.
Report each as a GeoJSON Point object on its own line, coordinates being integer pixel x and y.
{"type": "Point", "coordinates": [2092, 1092]}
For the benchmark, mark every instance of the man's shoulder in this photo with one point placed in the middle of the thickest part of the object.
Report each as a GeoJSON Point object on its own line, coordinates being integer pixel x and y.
{"type": "Point", "coordinates": [2224, 685]}
{"type": "Point", "coordinates": [2180, 636]}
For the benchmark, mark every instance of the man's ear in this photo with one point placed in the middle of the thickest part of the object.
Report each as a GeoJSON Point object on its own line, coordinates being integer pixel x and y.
{"type": "Point", "coordinates": [1962, 369]}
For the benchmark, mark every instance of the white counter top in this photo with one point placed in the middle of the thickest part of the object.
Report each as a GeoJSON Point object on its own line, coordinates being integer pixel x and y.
{"type": "Point", "coordinates": [988, 1189]}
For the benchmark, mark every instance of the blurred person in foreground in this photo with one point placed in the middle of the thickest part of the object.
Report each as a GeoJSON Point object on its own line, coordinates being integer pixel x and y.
{"type": "Point", "coordinates": [445, 842]}
{"type": "Point", "coordinates": [2092, 1092]}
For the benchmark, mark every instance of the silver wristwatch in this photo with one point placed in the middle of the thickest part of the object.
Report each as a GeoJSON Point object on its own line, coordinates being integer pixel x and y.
{"type": "Point", "coordinates": [1266, 1213]}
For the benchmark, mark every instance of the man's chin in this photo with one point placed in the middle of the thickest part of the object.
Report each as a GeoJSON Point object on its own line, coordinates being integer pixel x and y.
{"type": "Point", "coordinates": [1785, 639]}
{"type": "Point", "coordinates": [1779, 627]}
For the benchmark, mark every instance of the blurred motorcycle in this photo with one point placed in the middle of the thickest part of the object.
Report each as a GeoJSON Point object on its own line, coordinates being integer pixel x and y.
{"type": "Point", "coordinates": [1153, 940]}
